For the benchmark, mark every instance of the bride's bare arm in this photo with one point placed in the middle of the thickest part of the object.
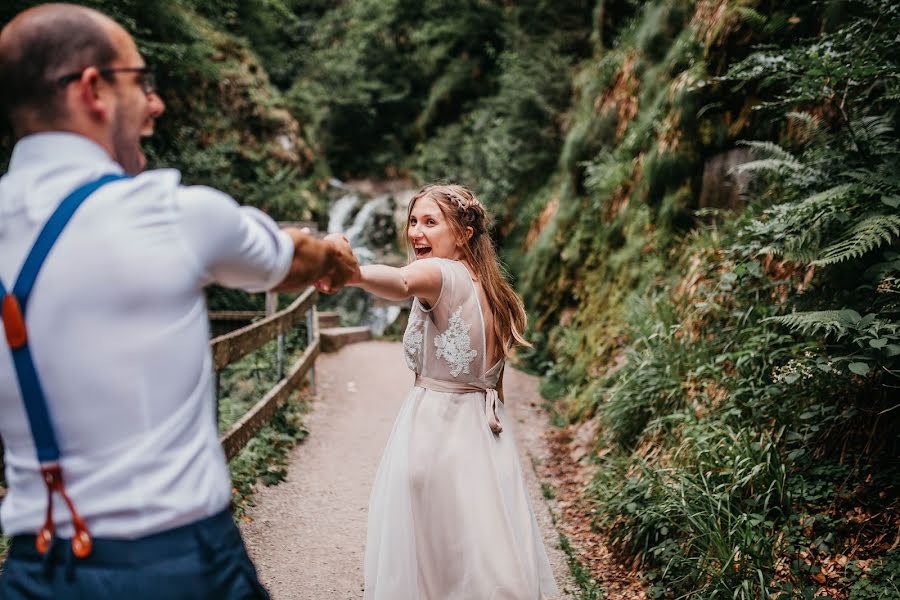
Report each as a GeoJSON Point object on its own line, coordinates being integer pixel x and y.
{"type": "Point", "coordinates": [421, 279]}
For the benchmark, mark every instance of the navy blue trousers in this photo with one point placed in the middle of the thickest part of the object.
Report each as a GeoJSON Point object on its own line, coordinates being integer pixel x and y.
{"type": "Point", "coordinates": [205, 560]}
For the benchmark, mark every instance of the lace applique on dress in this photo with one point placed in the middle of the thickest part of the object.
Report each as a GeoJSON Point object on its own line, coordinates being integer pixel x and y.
{"type": "Point", "coordinates": [412, 343]}
{"type": "Point", "coordinates": [454, 346]}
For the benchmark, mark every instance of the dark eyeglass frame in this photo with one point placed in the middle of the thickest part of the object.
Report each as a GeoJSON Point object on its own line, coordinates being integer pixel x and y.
{"type": "Point", "coordinates": [147, 81]}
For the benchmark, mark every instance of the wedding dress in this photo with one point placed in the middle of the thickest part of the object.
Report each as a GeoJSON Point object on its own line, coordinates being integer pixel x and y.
{"type": "Point", "coordinates": [449, 515]}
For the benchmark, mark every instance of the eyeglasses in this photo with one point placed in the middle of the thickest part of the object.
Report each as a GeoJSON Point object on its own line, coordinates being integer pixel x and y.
{"type": "Point", "coordinates": [147, 79]}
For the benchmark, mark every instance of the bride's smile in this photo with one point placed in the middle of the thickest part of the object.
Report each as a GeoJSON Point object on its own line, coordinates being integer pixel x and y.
{"type": "Point", "coordinates": [429, 232]}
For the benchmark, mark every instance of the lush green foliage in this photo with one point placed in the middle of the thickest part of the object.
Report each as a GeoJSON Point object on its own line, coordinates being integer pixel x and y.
{"type": "Point", "coordinates": [465, 90]}
{"type": "Point", "coordinates": [224, 125]}
{"type": "Point", "coordinates": [742, 358]}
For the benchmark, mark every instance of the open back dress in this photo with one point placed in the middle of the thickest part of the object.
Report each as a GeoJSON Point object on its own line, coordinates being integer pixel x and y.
{"type": "Point", "coordinates": [449, 515]}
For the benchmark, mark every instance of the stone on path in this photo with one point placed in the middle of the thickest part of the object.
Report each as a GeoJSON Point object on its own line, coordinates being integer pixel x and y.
{"type": "Point", "coordinates": [308, 534]}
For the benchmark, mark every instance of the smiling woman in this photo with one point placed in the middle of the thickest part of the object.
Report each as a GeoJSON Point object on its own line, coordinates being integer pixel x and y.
{"type": "Point", "coordinates": [446, 444]}
{"type": "Point", "coordinates": [429, 231]}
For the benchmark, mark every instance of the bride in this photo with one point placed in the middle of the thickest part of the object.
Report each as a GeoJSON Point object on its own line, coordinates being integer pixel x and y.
{"type": "Point", "coordinates": [449, 515]}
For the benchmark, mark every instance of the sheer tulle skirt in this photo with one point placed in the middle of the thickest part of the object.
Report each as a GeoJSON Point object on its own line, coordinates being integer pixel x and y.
{"type": "Point", "coordinates": [449, 515]}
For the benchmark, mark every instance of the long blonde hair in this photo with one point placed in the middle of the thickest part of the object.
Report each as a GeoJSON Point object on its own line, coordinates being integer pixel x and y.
{"type": "Point", "coordinates": [462, 209]}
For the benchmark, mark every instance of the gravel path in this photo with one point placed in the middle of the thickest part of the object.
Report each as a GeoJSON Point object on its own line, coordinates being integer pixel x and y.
{"type": "Point", "coordinates": [307, 535]}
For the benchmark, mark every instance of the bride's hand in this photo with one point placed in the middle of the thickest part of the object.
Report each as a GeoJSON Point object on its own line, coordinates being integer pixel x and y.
{"type": "Point", "coordinates": [344, 268]}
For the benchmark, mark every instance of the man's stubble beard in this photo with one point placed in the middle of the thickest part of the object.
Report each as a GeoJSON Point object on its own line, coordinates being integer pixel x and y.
{"type": "Point", "coordinates": [126, 146]}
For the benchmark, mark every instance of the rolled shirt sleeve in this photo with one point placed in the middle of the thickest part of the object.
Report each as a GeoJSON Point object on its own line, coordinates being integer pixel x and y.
{"type": "Point", "coordinates": [235, 246]}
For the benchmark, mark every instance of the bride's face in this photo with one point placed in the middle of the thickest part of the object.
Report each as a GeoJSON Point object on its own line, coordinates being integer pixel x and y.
{"type": "Point", "coordinates": [430, 233]}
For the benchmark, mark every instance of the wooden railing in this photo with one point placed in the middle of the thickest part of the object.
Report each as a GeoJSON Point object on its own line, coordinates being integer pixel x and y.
{"type": "Point", "coordinates": [236, 344]}
{"type": "Point", "coordinates": [232, 346]}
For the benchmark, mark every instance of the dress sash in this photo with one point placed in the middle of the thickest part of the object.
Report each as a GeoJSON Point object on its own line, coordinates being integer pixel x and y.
{"type": "Point", "coordinates": [491, 397]}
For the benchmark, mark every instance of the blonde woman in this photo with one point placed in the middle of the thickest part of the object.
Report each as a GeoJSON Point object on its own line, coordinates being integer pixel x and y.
{"type": "Point", "coordinates": [449, 515]}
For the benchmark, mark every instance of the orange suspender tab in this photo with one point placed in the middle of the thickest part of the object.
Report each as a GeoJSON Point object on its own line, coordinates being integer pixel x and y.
{"type": "Point", "coordinates": [14, 322]}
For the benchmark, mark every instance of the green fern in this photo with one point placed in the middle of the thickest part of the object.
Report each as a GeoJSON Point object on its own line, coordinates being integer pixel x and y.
{"type": "Point", "coordinates": [813, 129]}
{"type": "Point", "coordinates": [775, 159]}
{"type": "Point", "coordinates": [870, 233]}
{"type": "Point", "coordinates": [751, 16]}
{"type": "Point", "coordinates": [795, 230]}
{"type": "Point", "coordinates": [830, 322]}
{"type": "Point", "coordinates": [774, 165]}
{"type": "Point", "coordinates": [837, 192]}
{"type": "Point", "coordinates": [873, 128]}
{"type": "Point", "coordinates": [770, 150]}
{"type": "Point", "coordinates": [876, 183]}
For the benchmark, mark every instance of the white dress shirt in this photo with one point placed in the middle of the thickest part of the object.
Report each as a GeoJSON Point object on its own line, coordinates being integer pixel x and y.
{"type": "Point", "coordinates": [118, 329]}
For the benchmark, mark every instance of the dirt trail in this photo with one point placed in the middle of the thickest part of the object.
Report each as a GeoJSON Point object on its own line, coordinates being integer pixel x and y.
{"type": "Point", "coordinates": [308, 534]}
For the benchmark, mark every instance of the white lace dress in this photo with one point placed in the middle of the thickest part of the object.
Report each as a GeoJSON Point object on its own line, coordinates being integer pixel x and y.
{"type": "Point", "coordinates": [449, 515]}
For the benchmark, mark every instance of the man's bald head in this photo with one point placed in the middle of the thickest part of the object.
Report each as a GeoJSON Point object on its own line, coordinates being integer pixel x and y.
{"type": "Point", "coordinates": [39, 46]}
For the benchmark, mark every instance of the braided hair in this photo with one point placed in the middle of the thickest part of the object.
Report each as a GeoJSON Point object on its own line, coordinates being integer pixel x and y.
{"type": "Point", "coordinates": [462, 209]}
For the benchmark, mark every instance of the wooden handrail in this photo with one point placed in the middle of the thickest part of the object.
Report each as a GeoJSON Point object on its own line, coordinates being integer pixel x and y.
{"type": "Point", "coordinates": [246, 427]}
{"type": "Point", "coordinates": [232, 346]}
{"type": "Point", "coordinates": [235, 315]}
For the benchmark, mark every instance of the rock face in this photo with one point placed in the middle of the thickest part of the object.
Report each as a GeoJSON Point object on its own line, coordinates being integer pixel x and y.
{"type": "Point", "coordinates": [722, 187]}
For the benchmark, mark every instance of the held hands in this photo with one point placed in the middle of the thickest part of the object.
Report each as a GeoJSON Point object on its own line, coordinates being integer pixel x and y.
{"type": "Point", "coordinates": [329, 262]}
{"type": "Point", "coordinates": [344, 268]}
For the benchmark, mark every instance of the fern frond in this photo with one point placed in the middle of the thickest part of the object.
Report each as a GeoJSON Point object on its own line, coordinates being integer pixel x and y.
{"type": "Point", "coordinates": [866, 235]}
{"type": "Point", "coordinates": [799, 255]}
{"type": "Point", "coordinates": [837, 192]}
{"type": "Point", "coordinates": [812, 126]}
{"type": "Point", "coordinates": [830, 322]}
{"type": "Point", "coordinates": [770, 150]}
{"type": "Point", "coordinates": [773, 158]}
{"type": "Point", "coordinates": [871, 128]}
{"type": "Point", "coordinates": [751, 16]}
{"type": "Point", "coordinates": [769, 164]}
{"type": "Point", "coordinates": [877, 183]}
{"type": "Point", "coordinates": [809, 120]}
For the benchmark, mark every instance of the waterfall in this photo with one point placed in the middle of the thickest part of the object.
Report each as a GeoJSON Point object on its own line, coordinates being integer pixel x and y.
{"type": "Point", "coordinates": [340, 212]}
{"type": "Point", "coordinates": [364, 218]}
{"type": "Point", "coordinates": [370, 226]}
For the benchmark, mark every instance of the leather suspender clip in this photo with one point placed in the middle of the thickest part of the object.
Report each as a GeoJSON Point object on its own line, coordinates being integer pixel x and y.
{"type": "Point", "coordinates": [82, 543]}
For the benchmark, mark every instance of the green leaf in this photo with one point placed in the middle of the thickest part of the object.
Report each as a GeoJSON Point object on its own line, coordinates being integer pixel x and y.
{"type": "Point", "coordinates": [866, 320]}
{"type": "Point", "coordinates": [860, 368]}
{"type": "Point", "coordinates": [879, 343]}
{"type": "Point", "coordinates": [892, 201]}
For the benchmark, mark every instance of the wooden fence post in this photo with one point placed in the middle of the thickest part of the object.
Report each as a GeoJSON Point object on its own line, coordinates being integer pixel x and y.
{"type": "Point", "coordinates": [271, 309]}
{"type": "Point", "coordinates": [312, 324]}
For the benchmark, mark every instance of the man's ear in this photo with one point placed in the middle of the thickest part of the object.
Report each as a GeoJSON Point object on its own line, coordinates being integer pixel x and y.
{"type": "Point", "coordinates": [88, 94]}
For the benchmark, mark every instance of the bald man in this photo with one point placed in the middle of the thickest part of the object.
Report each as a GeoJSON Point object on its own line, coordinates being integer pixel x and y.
{"type": "Point", "coordinates": [117, 485]}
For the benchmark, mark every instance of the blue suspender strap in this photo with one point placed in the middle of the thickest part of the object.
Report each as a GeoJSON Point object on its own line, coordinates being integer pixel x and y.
{"type": "Point", "coordinates": [14, 307]}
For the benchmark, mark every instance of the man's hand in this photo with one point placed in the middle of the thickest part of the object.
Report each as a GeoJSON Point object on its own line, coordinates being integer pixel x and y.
{"type": "Point", "coordinates": [329, 260]}
{"type": "Point", "coordinates": [344, 268]}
